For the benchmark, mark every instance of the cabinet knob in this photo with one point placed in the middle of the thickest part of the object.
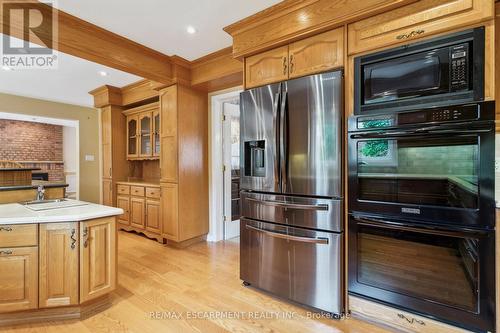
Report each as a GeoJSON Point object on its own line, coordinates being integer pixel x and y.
{"type": "Point", "coordinates": [85, 236]}
{"type": "Point", "coordinates": [410, 34]}
{"type": "Point", "coordinates": [284, 65]}
{"type": "Point", "coordinates": [5, 229]}
{"type": "Point", "coordinates": [6, 252]}
{"type": "Point", "coordinates": [291, 63]}
{"type": "Point", "coordinates": [73, 239]}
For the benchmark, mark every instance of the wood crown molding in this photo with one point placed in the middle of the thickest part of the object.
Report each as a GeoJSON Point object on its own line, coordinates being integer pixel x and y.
{"type": "Point", "coordinates": [107, 95]}
{"type": "Point", "coordinates": [88, 41]}
{"type": "Point", "coordinates": [292, 20]}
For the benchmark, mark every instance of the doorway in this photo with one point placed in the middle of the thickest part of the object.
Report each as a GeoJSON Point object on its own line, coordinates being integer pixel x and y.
{"type": "Point", "coordinates": [224, 165]}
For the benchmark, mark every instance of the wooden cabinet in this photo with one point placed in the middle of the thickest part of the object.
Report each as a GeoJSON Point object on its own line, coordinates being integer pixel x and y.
{"type": "Point", "coordinates": [311, 55]}
{"type": "Point", "coordinates": [266, 67]}
{"type": "Point", "coordinates": [18, 279]}
{"type": "Point", "coordinates": [132, 136]}
{"type": "Point", "coordinates": [97, 258]}
{"type": "Point", "coordinates": [107, 192]}
{"type": "Point", "coordinates": [421, 19]}
{"type": "Point", "coordinates": [317, 54]}
{"type": "Point", "coordinates": [15, 235]}
{"type": "Point", "coordinates": [58, 266]}
{"type": "Point", "coordinates": [123, 202]}
{"type": "Point", "coordinates": [153, 215]}
{"type": "Point", "coordinates": [143, 139]}
{"type": "Point", "coordinates": [184, 164]}
{"type": "Point", "coordinates": [137, 206]}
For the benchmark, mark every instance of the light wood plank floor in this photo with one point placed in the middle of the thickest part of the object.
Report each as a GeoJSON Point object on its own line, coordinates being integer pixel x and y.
{"type": "Point", "coordinates": [204, 277]}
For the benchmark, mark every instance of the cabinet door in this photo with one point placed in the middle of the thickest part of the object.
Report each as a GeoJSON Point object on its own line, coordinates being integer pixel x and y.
{"type": "Point", "coordinates": [156, 133]}
{"type": "Point", "coordinates": [317, 54]}
{"type": "Point", "coordinates": [145, 126]}
{"type": "Point", "coordinates": [18, 279]}
{"type": "Point", "coordinates": [420, 19]}
{"type": "Point", "coordinates": [58, 279]}
{"type": "Point", "coordinates": [137, 206]}
{"type": "Point", "coordinates": [169, 211]}
{"type": "Point", "coordinates": [123, 202]}
{"type": "Point", "coordinates": [107, 192]}
{"type": "Point", "coordinates": [168, 134]}
{"type": "Point", "coordinates": [97, 258]}
{"type": "Point", "coordinates": [267, 67]}
{"type": "Point", "coordinates": [106, 143]}
{"type": "Point", "coordinates": [132, 131]}
{"type": "Point", "coordinates": [153, 216]}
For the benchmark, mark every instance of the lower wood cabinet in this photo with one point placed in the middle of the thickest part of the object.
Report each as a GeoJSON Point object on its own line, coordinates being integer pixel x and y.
{"type": "Point", "coordinates": [123, 202]}
{"type": "Point", "coordinates": [58, 272]}
{"type": "Point", "coordinates": [137, 206]}
{"type": "Point", "coordinates": [97, 258]}
{"type": "Point", "coordinates": [107, 192]}
{"type": "Point", "coordinates": [18, 278]}
{"type": "Point", "coordinates": [153, 215]}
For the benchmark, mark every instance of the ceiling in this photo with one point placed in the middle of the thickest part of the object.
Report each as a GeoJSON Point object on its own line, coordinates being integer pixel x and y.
{"type": "Point", "coordinates": [69, 83]}
{"type": "Point", "coordinates": [162, 24]}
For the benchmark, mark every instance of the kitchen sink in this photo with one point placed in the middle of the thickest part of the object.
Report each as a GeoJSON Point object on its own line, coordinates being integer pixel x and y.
{"type": "Point", "coordinates": [40, 205]}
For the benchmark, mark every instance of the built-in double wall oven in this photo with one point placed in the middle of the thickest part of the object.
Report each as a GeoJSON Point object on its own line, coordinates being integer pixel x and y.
{"type": "Point", "coordinates": [421, 183]}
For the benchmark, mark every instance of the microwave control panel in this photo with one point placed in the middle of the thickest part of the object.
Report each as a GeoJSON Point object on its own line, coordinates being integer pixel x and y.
{"type": "Point", "coordinates": [459, 67]}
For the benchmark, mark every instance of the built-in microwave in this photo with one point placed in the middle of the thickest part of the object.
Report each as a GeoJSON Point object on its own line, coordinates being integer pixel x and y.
{"type": "Point", "coordinates": [442, 71]}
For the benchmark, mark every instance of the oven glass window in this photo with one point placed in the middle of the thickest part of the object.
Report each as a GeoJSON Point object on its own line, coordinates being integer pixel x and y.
{"type": "Point", "coordinates": [434, 171]}
{"type": "Point", "coordinates": [441, 269]}
{"type": "Point", "coordinates": [406, 77]}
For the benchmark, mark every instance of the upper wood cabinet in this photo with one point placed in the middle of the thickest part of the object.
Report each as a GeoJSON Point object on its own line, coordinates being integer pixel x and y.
{"type": "Point", "coordinates": [143, 125]}
{"type": "Point", "coordinates": [18, 279]}
{"type": "Point", "coordinates": [58, 272]}
{"type": "Point", "coordinates": [312, 55]}
{"type": "Point", "coordinates": [317, 54]}
{"type": "Point", "coordinates": [97, 258]}
{"type": "Point", "coordinates": [168, 135]}
{"type": "Point", "coordinates": [421, 19]}
{"type": "Point", "coordinates": [267, 67]}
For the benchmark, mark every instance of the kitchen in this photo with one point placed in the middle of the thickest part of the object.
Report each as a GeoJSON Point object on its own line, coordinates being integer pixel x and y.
{"type": "Point", "coordinates": [366, 179]}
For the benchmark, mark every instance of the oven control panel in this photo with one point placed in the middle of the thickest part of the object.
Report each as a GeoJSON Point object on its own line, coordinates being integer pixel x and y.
{"type": "Point", "coordinates": [450, 114]}
{"type": "Point", "coordinates": [459, 65]}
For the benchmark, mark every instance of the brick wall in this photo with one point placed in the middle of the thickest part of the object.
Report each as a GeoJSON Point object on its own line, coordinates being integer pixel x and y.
{"type": "Point", "coordinates": [27, 141]}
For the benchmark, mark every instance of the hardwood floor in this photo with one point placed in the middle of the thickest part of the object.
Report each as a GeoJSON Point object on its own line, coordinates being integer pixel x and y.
{"type": "Point", "coordinates": [180, 283]}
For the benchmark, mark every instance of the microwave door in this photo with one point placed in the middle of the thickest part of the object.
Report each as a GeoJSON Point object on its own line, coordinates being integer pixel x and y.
{"type": "Point", "coordinates": [311, 131]}
{"type": "Point", "coordinates": [259, 128]}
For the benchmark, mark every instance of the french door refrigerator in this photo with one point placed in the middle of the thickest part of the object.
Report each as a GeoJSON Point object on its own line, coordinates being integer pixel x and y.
{"type": "Point", "coordinates": [292, 192]}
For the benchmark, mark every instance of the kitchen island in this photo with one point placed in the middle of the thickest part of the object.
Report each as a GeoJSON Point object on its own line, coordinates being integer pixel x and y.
{"type": "Point", "coordinates": [57, 259]}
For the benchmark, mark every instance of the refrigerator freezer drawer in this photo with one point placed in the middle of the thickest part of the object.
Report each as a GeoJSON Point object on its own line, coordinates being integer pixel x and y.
{"type": "Point", "coordinates": [314, 213]}
{"type": "Point", "coordinates": [302, 265]}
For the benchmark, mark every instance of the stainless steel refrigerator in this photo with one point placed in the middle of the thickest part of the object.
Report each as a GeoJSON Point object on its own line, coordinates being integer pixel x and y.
{"type": "Point", "coordinates": [292, 192]}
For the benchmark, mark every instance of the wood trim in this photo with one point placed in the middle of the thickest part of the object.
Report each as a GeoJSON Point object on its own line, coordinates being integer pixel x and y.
{"type": "Point", "coordinates": [142, 108]}
{"type": "Point", "coordinates": [88, 41]}
{"type": "Point", "coordinates": [217, 70]}
{"type": "Point", "coordinates": [293, 20]}
{"type": "Point", "coordinates": [138, 92]}
{"type": "Point", "coordinates": [106, 95]}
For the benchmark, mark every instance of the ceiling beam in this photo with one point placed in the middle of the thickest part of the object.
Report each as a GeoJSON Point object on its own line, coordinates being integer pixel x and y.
{"type": "Point", "coordinates": [88, 41]}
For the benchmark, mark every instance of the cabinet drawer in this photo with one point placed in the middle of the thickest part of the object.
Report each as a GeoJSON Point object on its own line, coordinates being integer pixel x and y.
{"type": "Point", "coordinates": [18, 235]}
{"type": "Point", "coordinates": [137, 191]}
{"type": "Point", "coordinates": [123, 189]}
{"type": "Point", "coordinates": [421, 19]}
{"type": "Point", "coordinates": [153, 192]}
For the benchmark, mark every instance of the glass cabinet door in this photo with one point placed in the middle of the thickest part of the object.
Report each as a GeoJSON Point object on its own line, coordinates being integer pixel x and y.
{"type": "Point", "coordinates": [156, 133]}
{"type": "Point", "coordinates": [132, 136]}
{"type": "Point", "coordinates": [145, 145]}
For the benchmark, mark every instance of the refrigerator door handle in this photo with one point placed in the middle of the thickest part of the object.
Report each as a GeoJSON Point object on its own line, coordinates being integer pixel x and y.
{"type": "Point", "coordinates": [277, 185]}
{"type": "Point", "coordinates": [318, 240]}
{"type": "Point", "coordinates": [283, 140]}
{"type": "Point", "coordinates": [289, 205]}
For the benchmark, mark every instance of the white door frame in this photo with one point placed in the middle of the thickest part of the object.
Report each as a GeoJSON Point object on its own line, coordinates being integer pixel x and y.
{"type": "Point", "coordinates": [215, 179]}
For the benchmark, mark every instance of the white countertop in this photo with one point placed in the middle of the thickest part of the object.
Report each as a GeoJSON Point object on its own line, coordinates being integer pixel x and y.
{"type": "Point", "coordinates": [20, 214]}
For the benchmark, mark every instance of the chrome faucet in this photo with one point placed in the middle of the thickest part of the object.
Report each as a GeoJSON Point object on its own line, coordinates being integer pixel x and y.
{"type": "Point", "coordinates": [40, 193]}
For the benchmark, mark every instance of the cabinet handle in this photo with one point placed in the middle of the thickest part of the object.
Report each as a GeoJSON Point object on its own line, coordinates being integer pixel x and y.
{"type": "Point", "coordinates": [85, 236]}
{"type": "Point", "coordinates": [6, 252]}
{"type": "Point", "coordinates": [73, 239]}
{"type": "Point", "coordinates": [110, 172]}
{"type": "Point", "coordinates": [5, 229]}
{"type": "Point", "coordinates": [284, 66]}
{"type": "Point", "coordinates": [410, 34]}
{"type": "Point", "coordinates": [411, 320]}
{"type": "Point", "coordinates": [291, 63]}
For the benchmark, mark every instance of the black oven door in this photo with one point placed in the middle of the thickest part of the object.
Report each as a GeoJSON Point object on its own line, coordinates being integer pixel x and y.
{"type": "Point", "coordinates": [436, 174]}
{"type": "Point", "coordinates": [434, 272]}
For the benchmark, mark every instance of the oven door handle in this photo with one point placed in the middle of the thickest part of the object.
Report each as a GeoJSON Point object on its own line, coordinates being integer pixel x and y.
{"type": "Point", "coordinates": [418, 133]}
{"type": "Point", "coordinates": [289, 205]}
{"type": "Point", "coordinates": [319, 240]}
{"type": "Point", "coordinates": [424, 229]}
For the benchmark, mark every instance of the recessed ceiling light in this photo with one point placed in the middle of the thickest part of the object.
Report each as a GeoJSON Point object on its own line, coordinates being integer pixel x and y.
{"type": "Point", "coordinates": [103, 73]}
{"type": "Point", "coordinates": [191, 30]}
{"type": "Point", "coordinates": [6, 68]}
